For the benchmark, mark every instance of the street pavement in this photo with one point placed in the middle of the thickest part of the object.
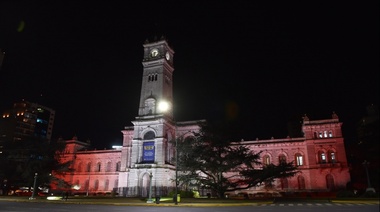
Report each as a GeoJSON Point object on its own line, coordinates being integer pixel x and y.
{"type": "Point", "coordinates": [188, 202]}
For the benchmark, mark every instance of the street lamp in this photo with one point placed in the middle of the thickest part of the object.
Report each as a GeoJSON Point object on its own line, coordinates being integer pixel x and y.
{"type": "Point", "coordinates": [369, 187]}
{"type": "Point", "coordinates": [34, 187]}
{"type": "Point", "coordinates": [150, 188]}
{"type": "Point", "coordinates": [176, 172]}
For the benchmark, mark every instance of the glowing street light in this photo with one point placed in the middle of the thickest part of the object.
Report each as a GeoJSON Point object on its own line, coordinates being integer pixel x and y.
{"type": "Point", "coordinates": [163, 106]}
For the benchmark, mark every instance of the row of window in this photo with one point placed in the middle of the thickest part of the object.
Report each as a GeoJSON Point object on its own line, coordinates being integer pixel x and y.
{"type": "Point", "coordinates": [282, 159]}
{"type": "Point", "coordinates": [98, 167]}
{"type": "Point", "coordinates": [323, 157]}
{"type": "Point", "coordinates": [152, 77]}
{"type": "Point", "coordinates": [323, 134]}
{"type": "Point", "coordinates": [330, 184]}
{"type": "Point", "coordinates": [95, 187]}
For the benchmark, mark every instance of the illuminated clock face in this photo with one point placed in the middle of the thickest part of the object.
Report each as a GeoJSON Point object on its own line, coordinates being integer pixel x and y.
{"type": "Point", "coordinates": [154, 53]}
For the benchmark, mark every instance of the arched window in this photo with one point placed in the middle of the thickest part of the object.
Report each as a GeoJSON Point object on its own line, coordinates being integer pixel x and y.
{"type": "Point", "coordinates": [86, 185]}
{"type": "Point", "coordinates": [96, 185]}
{"type": "Point", "coordinates": [331, 156]}
{"type": "Point", "coordinates": [284, 183]}
{"type": "Point", "coordinates": [315, 134]}
{"type": "Point", "coordinates": [98, 167]}
{"type": "Point", "coordinates": [322, 157]}
{"type": "Point", "coordinates": [330, 182]}
{"type": "Point", "coordinates": [108, 168]}
{"type": "Point", "coordinates": [266, 160]}
{"type": "Point", "coordinates": [106, 184]}
{"type": "Point", "coordinates": [118, 164]}
{"type": "Point", "coordinates": [79, 169]}
{"type": "Point", "coordinates": [116, 184]}
{"type": "Point", "coordinates": [301, 182]}
{"type": "Point", "coordinates": [149, 135]}
{"type": "Point", "coordinates": [299, 159]}
{"type": "Point", "coordinates": [282, 159]}
{"type": "Point", "coordinates": [88, 169]}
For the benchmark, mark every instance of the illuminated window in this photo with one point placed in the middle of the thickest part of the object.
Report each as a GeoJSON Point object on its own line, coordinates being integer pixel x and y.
{"type": "Point", "coordinates": [332, 157]}
{"type": "Point", "coordinates": [299, 160]}
{"type": "Point", "coordinates": [320, 135]}
{"type": "Point", "coordinates": [266, 160]}
{"type": "Point", "coordinates": [330, 134]}
{"type": "Point", "coordinates": [325, 134]}
{"type": "Point", "coordinates": [322, 157]}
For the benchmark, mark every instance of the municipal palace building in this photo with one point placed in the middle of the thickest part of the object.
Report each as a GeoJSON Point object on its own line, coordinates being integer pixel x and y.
{"type": "Point", "coordinates": [145, 156]}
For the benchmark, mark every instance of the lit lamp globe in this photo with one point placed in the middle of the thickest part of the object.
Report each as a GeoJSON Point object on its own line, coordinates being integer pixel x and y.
{"type": "Point", "coordinates": [163, 106]}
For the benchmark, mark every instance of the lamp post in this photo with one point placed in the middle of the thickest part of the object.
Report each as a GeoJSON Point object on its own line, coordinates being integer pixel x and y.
{"type": "Point", "coordinates": [150, 188]}
{"type": "Point", "coordinates": [369, 187]}
{"type": "Point", "coordinates": [176, 173]}
{"type": "Point", "coordinates": [34, 187]}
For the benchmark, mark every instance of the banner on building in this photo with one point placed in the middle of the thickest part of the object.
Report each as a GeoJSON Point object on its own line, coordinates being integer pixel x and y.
{"type": "Point", "coordinates": [148, 154]}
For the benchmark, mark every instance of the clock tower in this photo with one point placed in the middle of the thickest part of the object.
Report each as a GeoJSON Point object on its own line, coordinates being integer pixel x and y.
{"type": "Point", "coordinates": [157, 83]}
{"type": "Point", "coordinates": [147, 151]}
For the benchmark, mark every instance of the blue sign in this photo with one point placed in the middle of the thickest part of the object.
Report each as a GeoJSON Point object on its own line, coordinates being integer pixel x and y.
{"type": "Point", "coordinates": [148, 151]}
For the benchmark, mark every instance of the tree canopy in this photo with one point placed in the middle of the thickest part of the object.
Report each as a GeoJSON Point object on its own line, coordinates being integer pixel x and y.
{"type": "Point", "coordinates": [214, 161]}
{"type": "Point", "coordinates": [21, 160]}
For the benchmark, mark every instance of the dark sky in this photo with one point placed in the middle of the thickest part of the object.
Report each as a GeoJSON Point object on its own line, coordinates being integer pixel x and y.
{"type": "Point", "coordinates": [272, 62]}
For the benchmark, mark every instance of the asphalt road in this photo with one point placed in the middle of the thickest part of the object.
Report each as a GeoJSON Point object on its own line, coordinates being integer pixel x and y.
{"type": "Point", "coordinates": [17, 206]}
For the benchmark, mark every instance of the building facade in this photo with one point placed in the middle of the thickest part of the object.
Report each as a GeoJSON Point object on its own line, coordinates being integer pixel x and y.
{"type": "Point", "coordinates": [143, 162]}
{"type": "Point", "coordinates": [27, 119]}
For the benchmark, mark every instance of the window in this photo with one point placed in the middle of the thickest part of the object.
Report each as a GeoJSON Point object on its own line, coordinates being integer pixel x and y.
{"type": "Point", "coordinates": [301, 182]}
{"type": "Point", "coordinates": [86, 185]}
{"type": "Point", "coordinates": [108, 168]}
{"type": "Point", "coordinates": [98, 167]}
{"type": "Point", "coordinates": [282, 159]}
{"type": "Point", "coordinates": [330, 134]}
{"type": "Point", "coordinates": [325, 134]}
{"type": "Point", "coordinates": [106, 184]}
{"type": "Point", "coordinates": [299, 160]}
{"type": "Point", "coordinates": [330, 182]}
{"type": "Point", "coordinates": [118, 164]}
{"type": "Point", "coordinates": [331, 156]}
{"type": "Point", "coordinates": [266, 160]}
{"type": "Point", "coordinates": [96, 185]}
{"type": "Point", "coordinates": [320, 135]}
{"type": "Point", "coordinates": [79, 169]}
{"type": "Point", "coordinates": [284, 183]}
{"type": "Point", "coordinates": [88, 169]}
{"type": "Point", "coordinates": [322, 157]}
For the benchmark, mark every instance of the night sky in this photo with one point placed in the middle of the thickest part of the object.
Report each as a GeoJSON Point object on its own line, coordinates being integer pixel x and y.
{"type": "Point", "coordinates": [268, 63]}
